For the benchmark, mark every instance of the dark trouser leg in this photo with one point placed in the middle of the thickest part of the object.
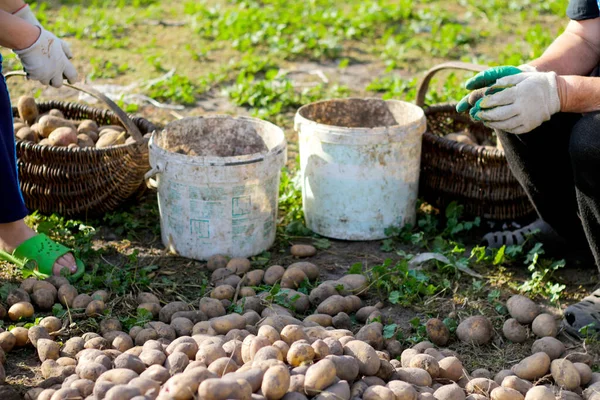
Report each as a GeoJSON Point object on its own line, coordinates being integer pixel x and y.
{"type": "Point", "coordinates": [12, 206]}
{"type": "Point", "coordinates": [541, 163]}
{"type": "Point", "coordinates": [584, 149]}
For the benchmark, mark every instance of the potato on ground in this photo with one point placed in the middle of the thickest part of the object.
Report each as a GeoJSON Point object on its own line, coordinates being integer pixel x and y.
{"type": "Point", "coordinates": [17, 296]}
{"type": "Point", "coordinates": [95, 308]}
{"type": "Point", "coordinates": [238, 266]}
{"type": "Point", "coordinates": [426, 362]}
{"type": "Point", "coordinates": [224, 324]}
{"type": "Point", "coordinates": [48, 349]}
{"type": "Point", "coordinates": [368, 361]}
{"type": "Point", "coordinates": [21, 336]}
{"type": "Point", "coordinates": [503, 393]}
{"type": "Point", "coordinates": [516, 383]}
{"type": "Point", "coordinates": [544, 325]}
{"type": "Point", "coordinates": [378, 393]}
{"type": "Point", "coordinates": [449, 392]}
{"type": "Point", "coordinates": [168, 310]}
{"type": "Point", "coordinates": [273, 274]}
{"type": "Point", "coordinates": [532, 367]}
{"type": "Point", "coordinates": [437, 332]}
{"type": "Point", "coordinates": [276, 382]}
{"type": "Point", "coordinates": [223, 389]}
{"type": "Point", "coordinates": [540, 393]}
{"type": "Point", "coordinates": [415, 376]}
{"type": "Point", "coordinates": [303, 250]}
{"type": "Point", "coordinates": [20, 310]}
{"type": "Point", "coordinates": [7, 341]}
{"type": "Point", "coordinates": [293, 278]}
{"type": "Point", "coordinates": [514, 331]}
{"type": "Point", "coordinates": [475, 330]}
{"type": "Point", "coordinates": [301, 353]}
{"type": "Point", "coordinates": [585, 372]}
{"type": "Point", "coordinates": [482, 386]}
{"type": "Point", "coordinates": [549, 345]}
{"type": "Point", "coordinates": [292, 333]}
{"type": "Point", "coordinates": [346, 367]}
{"type": "Point", "coordinates": [82, 301]}
{"type": "Point", "coordinates": [523, 309]}
{"type": "Point", "coordinates": [565, 374]}
{"type": "Point", "coordinates": [319, 376]}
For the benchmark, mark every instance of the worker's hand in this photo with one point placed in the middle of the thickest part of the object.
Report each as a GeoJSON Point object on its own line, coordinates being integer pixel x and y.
{"type": "Point", "coordinates": [487, 78]}
{"type": "Point", "coordinates": [519, 103]}
{"type": "Point", "coordinates": [46, 61]}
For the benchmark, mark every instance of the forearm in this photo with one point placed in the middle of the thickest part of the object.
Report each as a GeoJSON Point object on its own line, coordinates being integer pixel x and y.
{"type": "Point", "coordinates": [11, 6]}
{"type": "Point", "coordinates": [15, 33]}
{"type": "Point", "coordinates": [574, 52]}
{"type": "Point", "coordinates": [578, 94]}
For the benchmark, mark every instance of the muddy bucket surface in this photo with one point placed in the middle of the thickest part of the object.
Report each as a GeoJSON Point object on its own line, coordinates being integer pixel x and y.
{"type": "Point", "coordinates": [217, 204]}
{"type": "Point", "coordinates": [360, 163]}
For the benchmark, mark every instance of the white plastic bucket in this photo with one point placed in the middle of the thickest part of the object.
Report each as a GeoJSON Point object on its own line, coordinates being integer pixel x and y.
{"type": "Point", "coordinates": [358, 181]}
{"type": "Point", "coordinates": [218, 205]}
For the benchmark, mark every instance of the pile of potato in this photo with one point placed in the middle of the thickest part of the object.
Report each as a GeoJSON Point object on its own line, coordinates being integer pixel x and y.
{"type": "Point", "coordinates": [53, 129]}
{"type": "Point", "coordinates": [272, 347]}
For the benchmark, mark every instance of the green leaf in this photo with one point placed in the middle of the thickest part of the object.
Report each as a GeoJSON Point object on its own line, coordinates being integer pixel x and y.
{"type": "Point", "coordinates": [451, 324]}
{"type": "Point", "coordinates": [58, 310]}
{"type": "Point", "coordinates": [321, 243]}
{"type": "Point", "coordinates": [6, 289]}
{"type": "Point", "coordinates": [389, 331]}
{"type": "Point", "coordinates": [499, 257]}
{"type": "Point", "coordinates": [356, 268]}
{"type": "Point", "coordinates": [297, 228]}
{"type": "Point", "coordinates": [387, 245]}
{"type": "Point", "coordinates": [395, 297]}
{"type": "Point", "coordinates": [415, 322]}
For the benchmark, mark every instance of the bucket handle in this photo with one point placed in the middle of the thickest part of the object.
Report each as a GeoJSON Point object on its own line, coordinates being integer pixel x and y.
{"type": "Point", "coordinates": [149, 177]}
{"type": "Point", "coordinates": [424, 86]}
{"type": "Point", "coordinates": [121, 115]}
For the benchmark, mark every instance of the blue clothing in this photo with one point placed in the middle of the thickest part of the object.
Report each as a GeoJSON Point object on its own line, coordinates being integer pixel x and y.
{"type": "Point", "coordinates": [579, 10]}
{"type": "Point", "coordinates": [12, 205]}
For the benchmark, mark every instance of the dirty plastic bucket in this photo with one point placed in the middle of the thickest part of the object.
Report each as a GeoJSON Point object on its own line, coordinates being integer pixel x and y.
{"type": "Point", "coordinates": [218, 205]}
{"type": "Point", "coordinates": [360, 163]}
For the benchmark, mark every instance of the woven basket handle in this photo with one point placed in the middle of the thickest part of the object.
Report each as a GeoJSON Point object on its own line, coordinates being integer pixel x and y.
{"type": "Point", "coordinates": [424, 86]}
{"type": "Point", "coordinates": [121, 115]}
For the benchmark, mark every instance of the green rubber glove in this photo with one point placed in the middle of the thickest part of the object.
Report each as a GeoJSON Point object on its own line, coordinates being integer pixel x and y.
{"type": "Point", "coordinates": [463, 105]}
{"type": "Point", "coordinates": [477, 106]}
{"type": "Point", "coordinates": [490, 76]}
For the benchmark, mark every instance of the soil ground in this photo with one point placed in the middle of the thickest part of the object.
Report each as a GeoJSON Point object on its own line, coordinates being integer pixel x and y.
{"type": "Point", "coordinates": [145, 39]}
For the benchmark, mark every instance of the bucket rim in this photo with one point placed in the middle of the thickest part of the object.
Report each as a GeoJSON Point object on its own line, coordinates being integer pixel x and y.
{"type": "Point", "coordinates": [222, 161]}
{"type": "Point", "coordinates": [387, 131]}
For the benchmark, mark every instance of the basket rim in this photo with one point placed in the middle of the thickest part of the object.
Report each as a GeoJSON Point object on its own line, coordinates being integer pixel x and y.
{"type": "Point", "coordinates": [59, 104]}
{"type": "Point", "coordinates": [454, 146]}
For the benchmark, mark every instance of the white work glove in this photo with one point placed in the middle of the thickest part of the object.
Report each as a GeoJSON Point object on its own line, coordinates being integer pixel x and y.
{"type": "Point", "coordinates": [46, 61]}
{"type": "Point", "coordinates": [26, 14]}
{"type": "Point", "coordinates": [524, 102]}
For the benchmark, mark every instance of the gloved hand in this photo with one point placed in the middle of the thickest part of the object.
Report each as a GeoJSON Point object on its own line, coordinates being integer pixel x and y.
{"type": "Point", "coordinates": [46, 61]}
{"type": "Point", "coordinates": [26, 14]}
{"type": "Point", "coordinates": [488, 78]}
{"type": "Point", "coordinates": [519, 103]}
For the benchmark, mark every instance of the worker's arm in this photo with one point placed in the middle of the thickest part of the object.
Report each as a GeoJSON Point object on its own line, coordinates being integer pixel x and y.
{"type": "Point", "coordinates": [11, 6]}
{"type": "Point", "coordinates": [575, 52]}
{"type": "Point", "coordinates": [15, 33]}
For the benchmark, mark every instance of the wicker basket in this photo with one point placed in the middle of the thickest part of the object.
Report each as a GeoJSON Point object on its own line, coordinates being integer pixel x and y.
{"type": "Point", "coordinates": [474, 176]}
{"type": "Point", "coordinates": [83, 181]}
